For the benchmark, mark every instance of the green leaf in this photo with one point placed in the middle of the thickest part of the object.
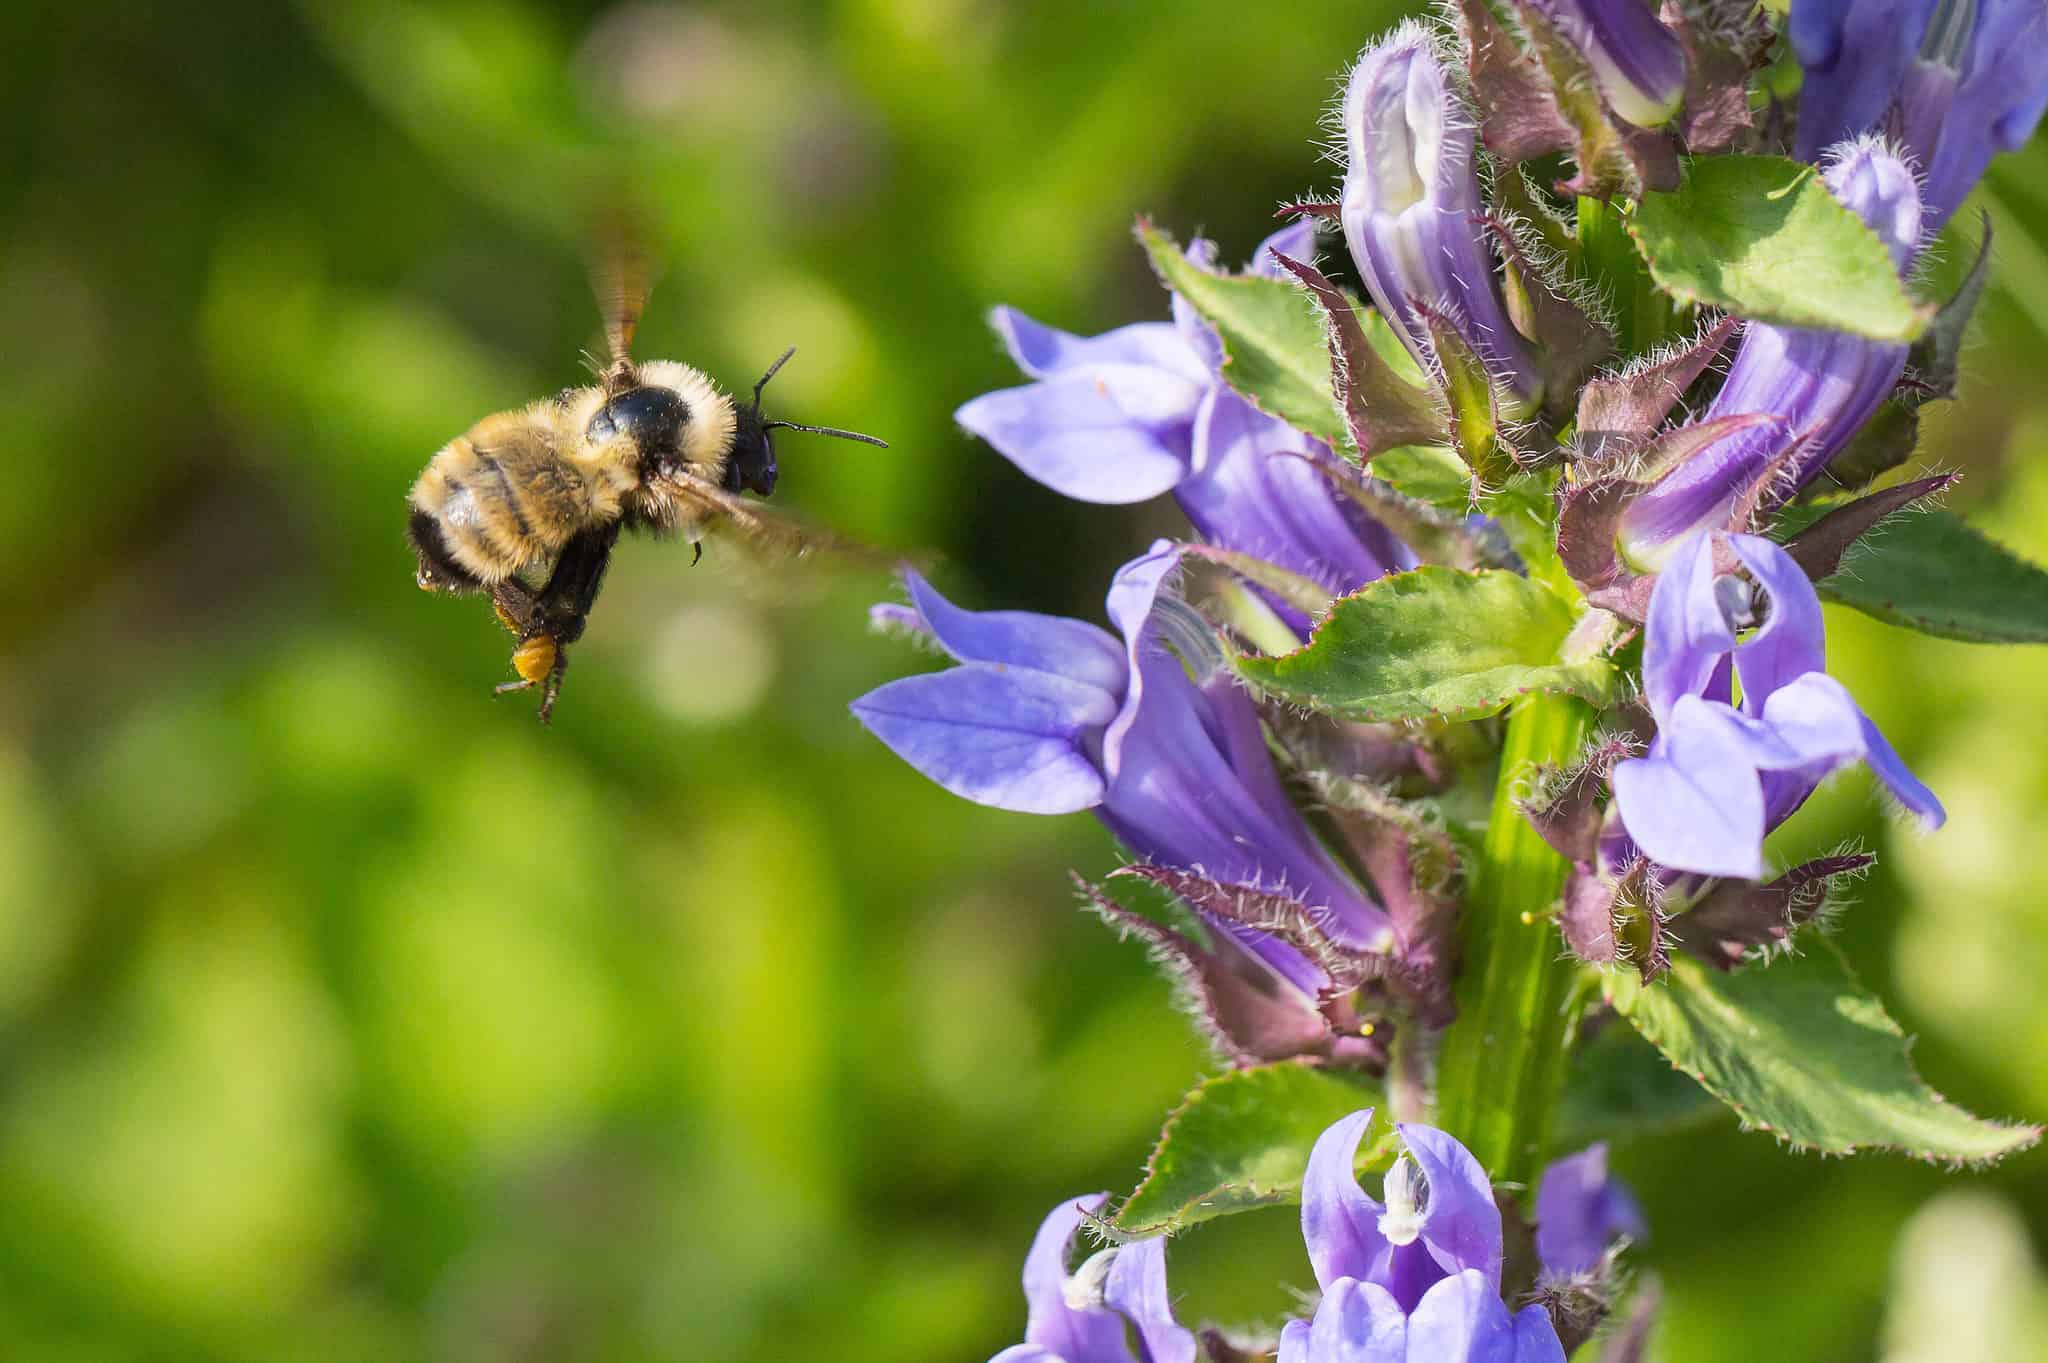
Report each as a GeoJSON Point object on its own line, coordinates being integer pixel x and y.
{"type": "Point", "coordinates": [1429, 473]}
{"type": "Point", "coordinates": [1435, 643]}
{"type": "Point", "coordinates": [1931, 572]}
{"type": "Point", "coordinates": [1802, 1050]}
{"type": "Point", "coordinates": [1762, 237]}
{"type": "Point", "coordinates": [1275, 345]}
{"type": "Point", "coordinates": [1241, 1140]}
{"type": "Point", "coordinates": [1620, 1088]}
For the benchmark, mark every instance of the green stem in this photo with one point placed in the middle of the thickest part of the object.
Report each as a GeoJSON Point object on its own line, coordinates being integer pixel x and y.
{"type": "Point", "coordinates": [1502, 1067]}
{"type": "Point", "coordinates": [1644, 316]}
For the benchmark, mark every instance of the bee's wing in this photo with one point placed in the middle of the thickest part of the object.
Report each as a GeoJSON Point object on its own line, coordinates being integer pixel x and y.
{"type": "Point", "coordinates": [621, 274]}
{"type": "Point", "coordinates": [767, 528]}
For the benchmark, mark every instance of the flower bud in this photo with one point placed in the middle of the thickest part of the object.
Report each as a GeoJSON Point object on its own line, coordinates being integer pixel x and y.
{"type": "Point", "coordinates": [1638, 63]}
{"type": "Point", "coordinates": [1818, 387]}
{"type": "Point", "coordinates": [1412, 214]}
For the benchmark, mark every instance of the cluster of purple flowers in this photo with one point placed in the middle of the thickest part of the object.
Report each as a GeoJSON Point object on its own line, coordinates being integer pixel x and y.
{"type": "Point", "coordinates": [1416, 1278]}
{"type": "Point", "coordinates": [1052, 716]}
{"type": "Point", "coordinates": [1150, 730]}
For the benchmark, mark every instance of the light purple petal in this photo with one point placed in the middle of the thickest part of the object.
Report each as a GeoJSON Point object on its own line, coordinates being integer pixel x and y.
{"type": "Point", "coordinates": [1685, 634]}
{"type": "Point", "coordinates": [1011, 739]}
{"type": "Point", "coordinates": [1113, 435]}
{"type": "Point", "coordinates": [1792, 641]}
{"type": "Point", "coordinates": [1462, 1224]}
{"type": "Point", "coordinates": [1046, 352]}
{"type": "Point", "coordinates": [1297, 240]}
{"type": "Point", "coordinates": [1199, 337]}
{"type": "Point", "coordinates": [1636, 61]}
{"type": "Point", "coordinates": [1690, 805]}
{"type": "Point", "coordinates": [1462, 1318]}
{"type": "Point", "coordinates": [1580, 1208]}
{"type": "Point", "coordinates": [1026, 1353]}
{"type": "Point", "coordinates": [1536, 1338]}
{"type": "Point", "coordinates": [1092, 1335]}
{"type": "Point", "coordinates": [1255, 490]}
{"type": "Point", "coordinates": [895, 617]}
{"type": "Point", "coordinates": [1295, 1343]}
{"type": "Point", "coordinates": [1809, 724]}
{"type": "Point", "coordinates": [1359, 1322]}
{"type": "Point", "coordinates": [1137, 1288]}
{"type": "Point", "coordinates": [1044, 643]}
{"type": "Point", "coordinates": [1132, 593]}
{"type": "Point", "coordinates": [1903, 784]}
{"type": "Point", "coordinates": [1339, 1222]}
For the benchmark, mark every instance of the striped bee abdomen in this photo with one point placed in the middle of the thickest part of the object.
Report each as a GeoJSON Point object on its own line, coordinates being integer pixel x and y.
{"type": "Point", "coordinates": [501, 498]}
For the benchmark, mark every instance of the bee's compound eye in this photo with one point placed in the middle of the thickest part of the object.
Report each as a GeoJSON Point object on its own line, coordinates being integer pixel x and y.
{"type": "Point", "coordinates": [651, 417]}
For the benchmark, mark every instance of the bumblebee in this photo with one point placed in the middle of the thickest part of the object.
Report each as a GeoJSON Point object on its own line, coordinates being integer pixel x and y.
{"type": "Point", "coordinates": [527, 505]}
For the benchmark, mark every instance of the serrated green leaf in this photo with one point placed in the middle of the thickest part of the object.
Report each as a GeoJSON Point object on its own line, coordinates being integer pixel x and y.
{"type": "Point", "coordinates": [1275, 345]}
{"type": "Point", "coordinates": [1932, 572]}
{"type": "Point", "coordinates": [1800, 1049]}
{"type": "Point", "coordinates": [1620, 1088]}
{"type": "Point", "coordinates": [1241, 1140]}
{"type": "Point", "coordinates": [1762, 237]}
{"type": "Point", "coordinates": [1435, 643]}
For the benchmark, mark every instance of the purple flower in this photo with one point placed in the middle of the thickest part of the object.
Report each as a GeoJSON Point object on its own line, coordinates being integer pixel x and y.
{"type": "Point", "coordinates": [1956, 82]}
{"type": "Point", "coordinates": [1413, 1280]}
{"type": "Point", "coordinates": [1722, 773]}
{"type": "Point", "coordinates": [1818, 386]}
{"type": "Point", "coordinates": [1412, 213]}
{"type": "Point", "coordinates": [1580, 1209]}
{"type": "Point", "coordinates": [1050, 716]}
{"type": "Point", "coordinates": [1138, 411]}
{"type": "Point", "coordinates": [1638, 63]}
{"type": "Point", "coordinates": [1081, 1317]}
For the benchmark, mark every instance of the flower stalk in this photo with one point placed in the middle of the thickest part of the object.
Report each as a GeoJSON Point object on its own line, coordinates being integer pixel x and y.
{"type": "Point", "coordinates": [1502, 1066]}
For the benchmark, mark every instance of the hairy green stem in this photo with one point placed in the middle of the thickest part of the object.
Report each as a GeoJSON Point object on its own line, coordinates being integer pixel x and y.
{"type": "Point", "coordinates": [1644, 317]}
{"type": "Point", "coordinates": [1501, 1069]}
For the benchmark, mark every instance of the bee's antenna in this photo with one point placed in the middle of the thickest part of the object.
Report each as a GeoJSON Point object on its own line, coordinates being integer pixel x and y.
{"type": "Point", "coordinates": [773, 369]}
{"type": "Point", "coordinates": [825, 430]}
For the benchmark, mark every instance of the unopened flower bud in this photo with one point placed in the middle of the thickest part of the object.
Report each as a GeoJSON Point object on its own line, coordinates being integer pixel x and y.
{"type": "Point", "coordinates": [1412, 213]}
{"type": "Point", "coordinates": [1638, 63]}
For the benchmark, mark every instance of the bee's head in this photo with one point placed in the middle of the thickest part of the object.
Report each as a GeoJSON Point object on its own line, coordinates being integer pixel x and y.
{"type": "Point", "coordinates": [652, 418]}
{"type": "Point", "coordinates": [752, 466]}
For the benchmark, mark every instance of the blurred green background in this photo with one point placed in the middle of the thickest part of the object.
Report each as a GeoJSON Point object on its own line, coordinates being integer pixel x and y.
{"type": "Point", "coordinates": [346, 1014]}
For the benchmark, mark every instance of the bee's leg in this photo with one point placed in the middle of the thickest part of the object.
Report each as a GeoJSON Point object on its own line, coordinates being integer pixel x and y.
{"type": "Point", "coordinates": [553, 686]}
{"type": "Point", "coordinates": [517, 606]}
{"type": "Point", "coordinates": [564, 604]}
{"type": "Point", "coordinates": [549, 620]}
